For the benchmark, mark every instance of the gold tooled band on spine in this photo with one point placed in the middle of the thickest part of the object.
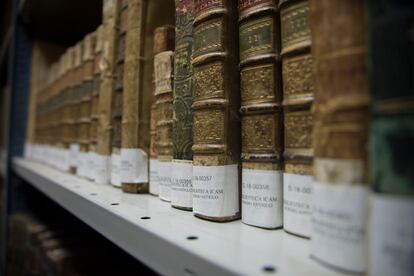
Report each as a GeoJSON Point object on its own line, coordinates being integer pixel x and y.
{"type": "Point", "coordinates": [216, 95]}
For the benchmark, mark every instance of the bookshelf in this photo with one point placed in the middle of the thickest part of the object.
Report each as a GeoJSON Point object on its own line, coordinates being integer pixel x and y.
{"type": "Point", "coordinates": [168, 240]}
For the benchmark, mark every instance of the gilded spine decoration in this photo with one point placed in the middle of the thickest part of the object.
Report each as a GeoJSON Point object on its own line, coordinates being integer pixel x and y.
{"type": "Point", "coordinates": [182, 172]}
{"type": "Point", "coordinates": [261, 94]}
{"type": "Point", "coordinates": [298, 94]}
{"type": "Point", "coordinates": [216, 103]}
{"type": "Point", "coordinates": [340, 133]}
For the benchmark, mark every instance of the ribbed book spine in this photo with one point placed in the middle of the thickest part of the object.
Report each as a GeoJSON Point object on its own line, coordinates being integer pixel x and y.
{"type": "Point", "coordinates": [96, 162]}
{"type": "Point", "coordinates": [298, 93]}
{"type": "Point", "coordinates": [182, 166]}
{"type": "Point", "coordinates": [117, 97]}
{"type": "Point", "coordinates": [163, 75]}
{"type": "Point", "coordinates": [261, 93]}
{"type": "Point", "coordinates": [105, 129]}
{"type": "Point", "coordinates": [216, 161]}
{"type": "Point", "coordinates": [390, 33]}
{"type": "Point", "coordinates": [136, 104]}
{"type": "Point", "coordinates": [340, 195]}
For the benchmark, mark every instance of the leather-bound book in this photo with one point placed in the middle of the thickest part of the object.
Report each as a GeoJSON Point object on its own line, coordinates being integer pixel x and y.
{"type": "Point", "coordinates": [298, 90]}
{"type": "Point", "coordinates": [153, 152]}
{"type": "Point", "coordinates": [110, 24]}
{"type": "Point", "coordinates": [182, 166]}
{"type": "Point", "coordinates": [216, 149]}
{"type": "Point", "coordinates": [75, 107]}
{"type": "Point", "coordinates": [163, 76]}
{"type": "Point", "coordinates": [117, 98]}
{"type": "Point", "coordinates": [85, 105]}
{"type": "Point", "coordinates": [340, 134]}
{"type": "Point", "coordinates": [98, 166]}
{"type": "Point", "coordinates": [261, 94]}
{"type": "Point", "coordinates": [136, 104]}
{"type": "Point", "coordinates": [391, 52]}
{"type": "Point", "coordinates": [65, 108]}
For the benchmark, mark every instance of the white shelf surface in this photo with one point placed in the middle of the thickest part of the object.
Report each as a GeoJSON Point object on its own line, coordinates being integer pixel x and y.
{"type": "Point", "coordinates": [161, 241]}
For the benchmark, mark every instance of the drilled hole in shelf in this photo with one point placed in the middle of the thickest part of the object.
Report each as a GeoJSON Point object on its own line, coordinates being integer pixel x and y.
{"type": "Point", "coordinates": [269, 268]}
{"type": "Point", "coordinates": [114, 203]}
{"type": "Point", "coordinates": [192, 238]}
{"type": "Point", "coordinates": [93, 194]}
{"type": "Point", "coordinates": [145, 217]}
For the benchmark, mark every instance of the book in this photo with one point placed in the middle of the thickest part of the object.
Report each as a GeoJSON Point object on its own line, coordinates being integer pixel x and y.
{"type": "Point", "coordinates": [75, 107]}
{"type": "Point", "coordinates": [163, 76]}
{"type": "Point", "coordinates": [104, 148]}
{"type": "Point", "coordinates": [261, 127]}
{"type": "Point", "coordinates": [153, 151]}
{"type": "Point", "coordinates": [136, 104]}
{"type": "Point", "coordinates": [391, 136]}
{"type": "Point", "coordinates": [118, 91]}
{"type": "Point", "coordinates": [298, 90]}
{"type": "Point", "coordinates": [216, 103]}
{"type": "Point", "coordinates": [182, 132]}
{"type": "Point", "coordinates": [340, 134]}
{"type": "Point", "coordinates": [98, 167]}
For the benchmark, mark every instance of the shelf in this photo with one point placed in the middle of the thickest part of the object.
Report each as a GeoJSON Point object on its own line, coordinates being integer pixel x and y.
{"type": "Point", "coordinates": [158, 235]}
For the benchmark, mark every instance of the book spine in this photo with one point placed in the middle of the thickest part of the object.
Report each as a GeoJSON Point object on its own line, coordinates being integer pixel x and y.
{"type": "Point", "coordinates": [163, 75]}
{"type": "Point", "coordinates": [136, 104]}
{"type": "Point", "coordinates": [118, 89]}
{"type": "Point", "coordinates": [182, 165]}
{"type": "Point", "coordinates": [153, 152]}
{"type": "Point", "coordinates": [261, 93]}
{"type": "Point", "coordinates": [298, 93]}
{"type": "Point", "coordinates": [340, 195]}
{"type": "Point", "coordinates": [216, 149]}
{"type": "Point", "coordinates": [109, 48]}
{"type": "Point", "coordinates": [98, 163]}
{"type": "Point", "coordinates": [391, 135]}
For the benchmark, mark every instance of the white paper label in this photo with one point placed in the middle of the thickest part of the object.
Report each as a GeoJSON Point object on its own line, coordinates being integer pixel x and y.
{"type": "Point", "coordinates": [297, 198]}
{"type": "Point", "coordinates": [65, 159]}
{"type": "Point", "coordinates": [91, 165]}
{"type": "Point", "coordinates": [164, 173]}
{"type": "Point", "coordinates": [102, 169]}
{"type": "Point", "coordinates": [116, 170]}
{"type": "Point", "coordinates": [134, 166]}
{"type": "Point", "coordinates": [73, 157]}
{"type": "Point", "coordinates": [262, 198]}
{"type": "Point", "coordinates": [82, 162]}
{"type": "Point", "coordinates": [339, 225]}
{"type": "Point", "coordinates": [392, 236]}
{"type": "Point", "coordinates": [181, 183]}
{"type": "Point", "coordinates": [153, 185]}
{"type": "Point", "coordinates": [216, 190]}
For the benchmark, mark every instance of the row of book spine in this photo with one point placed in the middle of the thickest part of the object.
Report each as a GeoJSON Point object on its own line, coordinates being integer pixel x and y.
{"type": "Point", "coordinates": [253, 109]}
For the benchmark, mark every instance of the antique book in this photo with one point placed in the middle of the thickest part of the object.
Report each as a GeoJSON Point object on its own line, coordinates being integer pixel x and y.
{"type": "Point", "coordinates": [340, 134]}
{"type": "Point", "coordinates": [84, 110]}
{"type": "Point", "coordinates": [117, 97]}
{"type": "Point", "coordinates": [136, 104]}
{"type": "Point", "coordinates": [96, 165]}
{"type": "Point", "coordinates": [182, 134]}
{"type": "Point", "coordinates": [75, 107]}
{"type": "Point", "coordinates": [261, 94]}
{"type": "Point", "coordinates": [216, 104]}
{"type": "Point", "coordinates": [153, 151]}
{"type": "Point", "coordinates": [390, 33]}
{"type": "Point", "coordinates": [109, 48]}
{"type": "Point", "coordinates": [298, 89]}
{"type": "Point", "coordinates": [163, 76]}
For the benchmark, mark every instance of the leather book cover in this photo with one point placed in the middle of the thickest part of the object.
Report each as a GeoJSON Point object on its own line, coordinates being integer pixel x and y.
{"type": "Point", "coordinates": [216, 104]}
{"type": "Point", "coordinates": [261, 127]}
{"type": "Point", "coordinates": [182, 166]}
{"type": "Point", "coordinates": [340, 134]}
{"type": "Point", "coordinates": [298, 93]}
